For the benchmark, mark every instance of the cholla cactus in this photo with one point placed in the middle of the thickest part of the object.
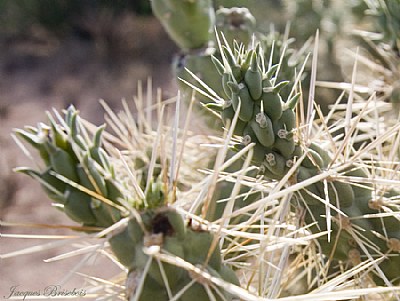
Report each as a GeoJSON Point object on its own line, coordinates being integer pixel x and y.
{"type": "Point", "coordinates": [263, 117]}
{"type": "Point", "coordinates": [81, 177]}
{"type": "Point", "coordinates": [279, 51]}
{"type": "Point", "coordinates": [301, 181]}
{"type": "Point", "coordinates": [78, 174]}
{"type": "Point", "coordinates": [164, 228]}
{"type": "Point", "coordinates": [254, 107]}
{"type": "Point", "coordinates": [190, 24]}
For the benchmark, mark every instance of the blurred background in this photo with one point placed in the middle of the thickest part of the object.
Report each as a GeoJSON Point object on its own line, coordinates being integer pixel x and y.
{"type": "Point", "coordinates": [59, 52]}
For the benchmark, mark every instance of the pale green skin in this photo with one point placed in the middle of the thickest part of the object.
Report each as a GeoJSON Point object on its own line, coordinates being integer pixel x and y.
{"type": "Point", "coordinates": [188, 23]}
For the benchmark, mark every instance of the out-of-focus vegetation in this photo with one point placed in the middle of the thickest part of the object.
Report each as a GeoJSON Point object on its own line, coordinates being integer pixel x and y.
{"type": "Point", "coordinates": [61, 16]}
{"type": "Point", "coordinates": [65, 16]}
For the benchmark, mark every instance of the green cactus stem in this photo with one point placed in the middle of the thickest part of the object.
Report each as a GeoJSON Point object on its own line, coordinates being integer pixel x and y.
{"type": "Point", "coordinates": [189, 22]}
{"type": "Point", "coordinates": [77, 172]}
{"type": "Point", "coordinates": [165, 229]}
{"type": "Point", "coordinates": [272, 128]}
{"type": "Point", "coordinates": [79, 176]}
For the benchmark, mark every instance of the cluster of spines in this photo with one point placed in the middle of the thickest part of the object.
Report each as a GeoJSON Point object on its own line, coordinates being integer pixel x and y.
{"type": "Point", "coordinates": [236, 24]}
{"type": "Point", "coordinates": [165, 229]}
{"type": "Point", "coordinates": [77, 173]}
{"type": "Point", "coordinates": [379, 235]}
{"type": "Point", "coordinates": [79, 177]}
{"type": "Point", "coordinates": [278, 50]}
{"type": "Point", "coordinates": [269, 122]}
{"type": "Point", "coordinates": [263, 117]}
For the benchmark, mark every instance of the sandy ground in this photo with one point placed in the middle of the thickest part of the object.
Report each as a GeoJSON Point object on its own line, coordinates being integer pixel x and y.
{"type": "Point", "coordinates": [37, 73]}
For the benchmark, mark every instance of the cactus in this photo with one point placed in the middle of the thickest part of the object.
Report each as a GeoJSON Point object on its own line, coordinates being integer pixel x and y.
{"type": "Point", "coordinates": [301, 198]}
{"type": "Point", "coordinates": [268, 120]}
{"type": "Point", "coordinates": [80, 177]}
{"type": "Point", "coordinates": [266, 117]}
{"type": "Point", "coordinates": [77, 172]}
{"type": "Point", "coordinates": [192, 31]}
{"type": "Point", "coordinates": [270, 124]}
{"type": "Point", "coordinates": [190, 25]}
{"type": "Point", "coordinates": [164, 228]}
